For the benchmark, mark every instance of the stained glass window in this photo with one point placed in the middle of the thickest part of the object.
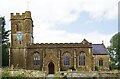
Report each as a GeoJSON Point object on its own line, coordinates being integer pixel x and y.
{"type": "Point", "coordinates": [66, 60]}
{"type": "Point", "coordinates": [81, 59]}
{"type": "Point", "coordinates": [36, 59]}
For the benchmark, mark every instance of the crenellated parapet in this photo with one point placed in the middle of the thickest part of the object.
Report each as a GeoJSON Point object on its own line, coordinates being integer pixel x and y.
{"type": "Point", "coordinates": [59, 45]}
{"type": "Point", "coordinates": [26, 15]}
{"type": "Point", "coordinates": [22, 25]}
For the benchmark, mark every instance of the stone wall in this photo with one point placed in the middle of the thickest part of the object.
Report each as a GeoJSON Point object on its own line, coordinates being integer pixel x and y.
{"type": "Point", "coordinates": [18, 58]}
{"type": "Point", "coordinates": [105, 59]}
{"type": "Point", "coordinates": [20, 24]}
{"type": "Point", "coordinates": [54, 52]}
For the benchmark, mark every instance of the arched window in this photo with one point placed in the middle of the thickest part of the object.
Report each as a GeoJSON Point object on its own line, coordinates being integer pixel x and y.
{"type": "Point", "coordinates": [100, 62]}
{"type": "Point", "coordinates": [81, 59]}
{"type": "Point", "coordinates": [66, 60]}
{"type": "Point", "coordinates": [18, 26]}
{"type": "Point", "coordinates": [36, 59]}
{"type": "Point", "coordinates": [20, 42]}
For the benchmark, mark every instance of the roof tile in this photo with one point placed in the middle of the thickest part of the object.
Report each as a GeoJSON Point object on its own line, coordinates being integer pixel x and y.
{"type": "Point", "coordinates": [99, 49]}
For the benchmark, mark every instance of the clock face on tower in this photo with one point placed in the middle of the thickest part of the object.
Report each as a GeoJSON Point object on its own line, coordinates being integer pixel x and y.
{"type": "Point", "coordinates": [19, 35]}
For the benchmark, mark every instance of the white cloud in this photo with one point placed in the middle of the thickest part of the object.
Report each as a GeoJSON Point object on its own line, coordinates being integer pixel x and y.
{"type": "Point", "coordinates": [96, 37]}
{"type": "Point", "coordinates": [58, 36]}
{"type": "Point", "coordinates": [101, 9]}
{"type": "Point", "coordinates": [48, 13]}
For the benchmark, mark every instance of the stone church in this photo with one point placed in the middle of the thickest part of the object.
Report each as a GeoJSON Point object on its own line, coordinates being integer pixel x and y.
{"type": "Point", "coordinates": [52, 57]}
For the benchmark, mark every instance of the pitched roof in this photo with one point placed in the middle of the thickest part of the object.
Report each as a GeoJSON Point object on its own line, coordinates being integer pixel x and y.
{"type": "Point", "coordinates": [99, 49]}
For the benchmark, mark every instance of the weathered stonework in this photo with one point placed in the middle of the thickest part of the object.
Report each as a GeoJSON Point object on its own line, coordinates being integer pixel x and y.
{"type": "Point", "coordinates": [105, 62]}
{"type": "Point", "coordinates": [23, 49]}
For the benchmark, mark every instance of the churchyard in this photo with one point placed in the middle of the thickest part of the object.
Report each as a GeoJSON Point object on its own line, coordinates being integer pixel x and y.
{"type": "Point", "coordinates": [22, 73]}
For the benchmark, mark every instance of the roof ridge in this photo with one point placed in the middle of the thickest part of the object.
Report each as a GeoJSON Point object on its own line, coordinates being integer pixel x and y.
{"type": "Point", "coordinates": [97, 44]}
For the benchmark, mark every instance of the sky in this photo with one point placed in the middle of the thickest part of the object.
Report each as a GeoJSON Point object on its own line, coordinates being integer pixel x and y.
{"type": "Point", "coordinates": [66, 21]}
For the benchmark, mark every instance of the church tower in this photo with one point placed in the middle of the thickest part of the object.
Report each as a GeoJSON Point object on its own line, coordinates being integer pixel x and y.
{"type": "Point", "coordinates": [21, 37]}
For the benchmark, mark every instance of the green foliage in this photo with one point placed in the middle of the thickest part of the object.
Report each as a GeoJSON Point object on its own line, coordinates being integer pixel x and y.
{"type": "Point", "coordinates": [65, 77]}
{"type": "Point", "coordinates": [114, 50]}
{"type": "Point", "coordinates": [57, 75]}
{"type": "Point", "coordinates": [5, 74]}
{"type": "Point", "coordinates": [5, 55]}
{"type": "Point", "coordinates": [112, 65]}
{"type": "Point", "coordinates": [21, 75]}
{"type": "Point", "coordinates": [3, 32]}
{"type": "Point", "coordinates": [4, 36]}
{"type": "Point", "coordinates": [97, 68]}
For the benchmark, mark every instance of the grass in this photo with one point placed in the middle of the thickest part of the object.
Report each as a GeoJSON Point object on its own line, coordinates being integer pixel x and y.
{"type": "Point", "coordinates": [5, 73]}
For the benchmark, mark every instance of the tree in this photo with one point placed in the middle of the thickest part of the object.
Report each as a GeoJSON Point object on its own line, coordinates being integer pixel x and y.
{"type": "Point", "coordinates": [114, 50]}
{"type": "Point", "coordinates": [4, 36]}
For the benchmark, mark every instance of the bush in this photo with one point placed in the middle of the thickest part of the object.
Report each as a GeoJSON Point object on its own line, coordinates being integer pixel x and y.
{"type": "Point", "coordinates": [5, 74]}
{"type": "Point", "coordinates": [21, 75]}
{"type": "Point", "coordinates": [97, 68]}
{"type": "Point", "coordinates": [65, 77]}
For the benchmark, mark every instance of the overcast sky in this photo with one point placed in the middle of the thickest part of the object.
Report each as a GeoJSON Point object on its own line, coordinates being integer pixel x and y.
{"type": "Point", "coordinates": [63, 21]}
